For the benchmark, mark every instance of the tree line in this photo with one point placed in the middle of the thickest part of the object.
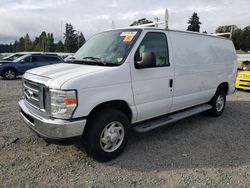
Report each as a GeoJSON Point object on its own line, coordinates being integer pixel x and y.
{"type": "Point", "coordinates": [45, 42]}
{"type": "Point", "coordinates": [74, 39]}
{"type": "Point", "coordinates": [240, 37]}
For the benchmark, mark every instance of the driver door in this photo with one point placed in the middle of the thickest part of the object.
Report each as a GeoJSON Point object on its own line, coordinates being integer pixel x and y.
{"type": "Point", "coordinates": [152, 83]}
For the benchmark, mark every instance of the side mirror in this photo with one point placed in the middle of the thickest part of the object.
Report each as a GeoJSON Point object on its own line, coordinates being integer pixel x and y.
{"type": "Point", "coordinates": [22, 61]}
{"type": "Point", "coordinates": [148, 60]}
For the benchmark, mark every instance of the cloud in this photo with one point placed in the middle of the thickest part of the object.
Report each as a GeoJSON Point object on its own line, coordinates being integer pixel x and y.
{"type": "Point", "coordinates": [18, 17]}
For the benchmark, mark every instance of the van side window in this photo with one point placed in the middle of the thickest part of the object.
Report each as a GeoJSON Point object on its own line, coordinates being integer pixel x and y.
{"type": "Point", "coordinates": [152, 52]}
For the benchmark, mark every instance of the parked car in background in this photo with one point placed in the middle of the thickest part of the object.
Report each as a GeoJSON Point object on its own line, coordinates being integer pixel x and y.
{"type": "Point", "coordinates": [10, 69]}
{"type": "Point", "coordinates": [13, 57]}
{"type": "Point", "coordinates": [243, 78]}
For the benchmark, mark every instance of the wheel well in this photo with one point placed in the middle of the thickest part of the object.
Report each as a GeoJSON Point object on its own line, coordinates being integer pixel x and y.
{"type": "Point", "coordinates": [116, 104]}
{"type": "Point", "coordinates": [9, 68]}
{"type": "Point", "coordinates": [224, 86]}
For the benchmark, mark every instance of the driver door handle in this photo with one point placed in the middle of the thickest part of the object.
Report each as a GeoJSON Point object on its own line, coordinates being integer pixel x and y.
{"type": "Point", "coordinates": [171, 83]}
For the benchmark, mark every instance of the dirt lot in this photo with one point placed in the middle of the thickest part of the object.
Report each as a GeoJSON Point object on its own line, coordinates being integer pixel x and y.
{"type": "Point", "coordinates": [198, 152]}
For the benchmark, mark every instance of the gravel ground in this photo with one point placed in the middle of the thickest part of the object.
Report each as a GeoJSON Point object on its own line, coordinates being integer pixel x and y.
{"type": "Point", "coordinates": [200, 151]}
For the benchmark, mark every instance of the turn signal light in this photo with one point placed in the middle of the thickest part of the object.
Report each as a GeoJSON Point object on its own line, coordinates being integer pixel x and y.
{"type": "Point", "coordinates": [70, 101]}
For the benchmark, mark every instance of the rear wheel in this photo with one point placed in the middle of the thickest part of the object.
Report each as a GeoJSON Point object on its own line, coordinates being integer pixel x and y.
{"type": "Point", "coordinates": [218, 103]}
{"type": "Point", "coordinates": [106, 134]}
{"type": "Point", "coordinates": [9, 74]}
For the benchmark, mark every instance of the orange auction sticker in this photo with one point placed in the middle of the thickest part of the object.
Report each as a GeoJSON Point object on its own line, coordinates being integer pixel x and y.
{"type": "Point", "coordinates": [128, 38]}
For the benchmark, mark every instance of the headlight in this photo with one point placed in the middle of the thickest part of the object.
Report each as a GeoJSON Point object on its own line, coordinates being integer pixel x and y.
{"type": "Point", "coordinates": [240, 76]}
{"type": "Point", "coordinates": [62, 103]}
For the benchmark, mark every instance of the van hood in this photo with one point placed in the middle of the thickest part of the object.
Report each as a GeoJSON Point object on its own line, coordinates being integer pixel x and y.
{"type": "Point", "coordinates": [62, 72]}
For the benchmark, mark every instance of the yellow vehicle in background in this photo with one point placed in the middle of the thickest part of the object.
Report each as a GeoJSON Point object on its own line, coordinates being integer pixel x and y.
{"type": "Point", "coordinates": [243, 78]}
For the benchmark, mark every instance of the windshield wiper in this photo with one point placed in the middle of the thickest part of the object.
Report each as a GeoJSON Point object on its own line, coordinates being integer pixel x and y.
{"type": "Point", "coordinates": [92, 61]}
{"type": "Point", "coordinates": [92, 58]}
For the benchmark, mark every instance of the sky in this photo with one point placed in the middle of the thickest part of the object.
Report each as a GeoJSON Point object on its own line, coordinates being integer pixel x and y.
{"type": "Point", "coordinates": [18, 17]}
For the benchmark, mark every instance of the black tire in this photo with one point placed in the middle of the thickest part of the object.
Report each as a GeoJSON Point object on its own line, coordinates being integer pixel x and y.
{"type": "Point", "coordinates": [96, 129]}
{"type": "Point", "coordinates": [9, 74]}
{"type": "Point", "coordinates": [217, 109]}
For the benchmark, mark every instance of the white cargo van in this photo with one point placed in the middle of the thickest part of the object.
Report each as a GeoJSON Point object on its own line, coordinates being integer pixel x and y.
{"type": "Point", "coordinates": [134, 78]}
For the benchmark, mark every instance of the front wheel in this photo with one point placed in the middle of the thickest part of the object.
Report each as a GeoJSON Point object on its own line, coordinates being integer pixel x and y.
{"type": "Point", "coordinates": [9, 74]}
{"type": "Point", "coordinates": [106, 134]}
{"type": "Point", "coordinates": [218, 103]}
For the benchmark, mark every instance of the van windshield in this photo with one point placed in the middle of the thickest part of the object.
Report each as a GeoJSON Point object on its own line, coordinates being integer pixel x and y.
{"type": "Point", "coordinates": [108, 48]}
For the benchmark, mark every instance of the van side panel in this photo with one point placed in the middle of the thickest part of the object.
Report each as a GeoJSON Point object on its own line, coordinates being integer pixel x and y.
{"type": "Point", "coordinates": [201, 64]}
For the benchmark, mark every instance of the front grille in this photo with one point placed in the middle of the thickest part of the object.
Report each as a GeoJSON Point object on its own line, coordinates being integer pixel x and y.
{"type": "Point", "coordinates": [243, 85]}
{"type": "Point", "coordinates": [34, 94]}
{"type": "Point", "coordinates": [245, 81]}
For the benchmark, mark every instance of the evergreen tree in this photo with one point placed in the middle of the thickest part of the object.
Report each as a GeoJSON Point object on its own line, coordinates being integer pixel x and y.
{"type": "Point", "coordinates": [194, 23]}
{"type": "Point", "coordinates": [14, 48]}
{"type": "Point", "coordinates": [245, 39]}
{"type": "Point", "coordinates": [71, 43]}
{"type": "Point", "coordinates": [50, 42]}
{"type": "Point", "coordinates": [28, 46]}
{"type": "Point", "coordinates": [43, 42]}
{"type": "Point", "coordinates": [81, 40]}
{"type": "Point", "coordinates": [236, 38]}
{"type": "Point", "coordinates": [21, 45]}
{"type": "Point", "coordinates": [59, 47]}
{"type": "Point", "coordinates": [37, 46]}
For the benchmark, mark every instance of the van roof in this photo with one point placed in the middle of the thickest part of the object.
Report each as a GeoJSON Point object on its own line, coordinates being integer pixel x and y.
{"type": "Point", "coordinates": [159, 29]}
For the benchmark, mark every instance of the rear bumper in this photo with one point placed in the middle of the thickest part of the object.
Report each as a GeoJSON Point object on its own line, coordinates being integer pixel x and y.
{"type": "Point", "coordinates": [51, 128]}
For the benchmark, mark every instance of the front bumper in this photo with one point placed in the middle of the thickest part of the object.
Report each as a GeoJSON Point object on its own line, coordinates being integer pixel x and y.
{"type": "Point", "coordinates": [51, 128]}
{"type": "Point", "coordinates": [243, 84]}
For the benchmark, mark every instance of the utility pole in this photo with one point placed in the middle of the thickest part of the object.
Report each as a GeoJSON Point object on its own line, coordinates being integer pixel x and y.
{"type": "Point", "coordinates": [113, 24]}
{"type": "Point", "coordinates": [166, 19]}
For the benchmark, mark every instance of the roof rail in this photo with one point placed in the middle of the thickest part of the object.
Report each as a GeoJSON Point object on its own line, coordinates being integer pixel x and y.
{"type": "Point", "coordinates": [155, 24]}
{"type": "Point", "coordinates": [223, 34]}
{"type": "Point", "coordinates": [227, 33]}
